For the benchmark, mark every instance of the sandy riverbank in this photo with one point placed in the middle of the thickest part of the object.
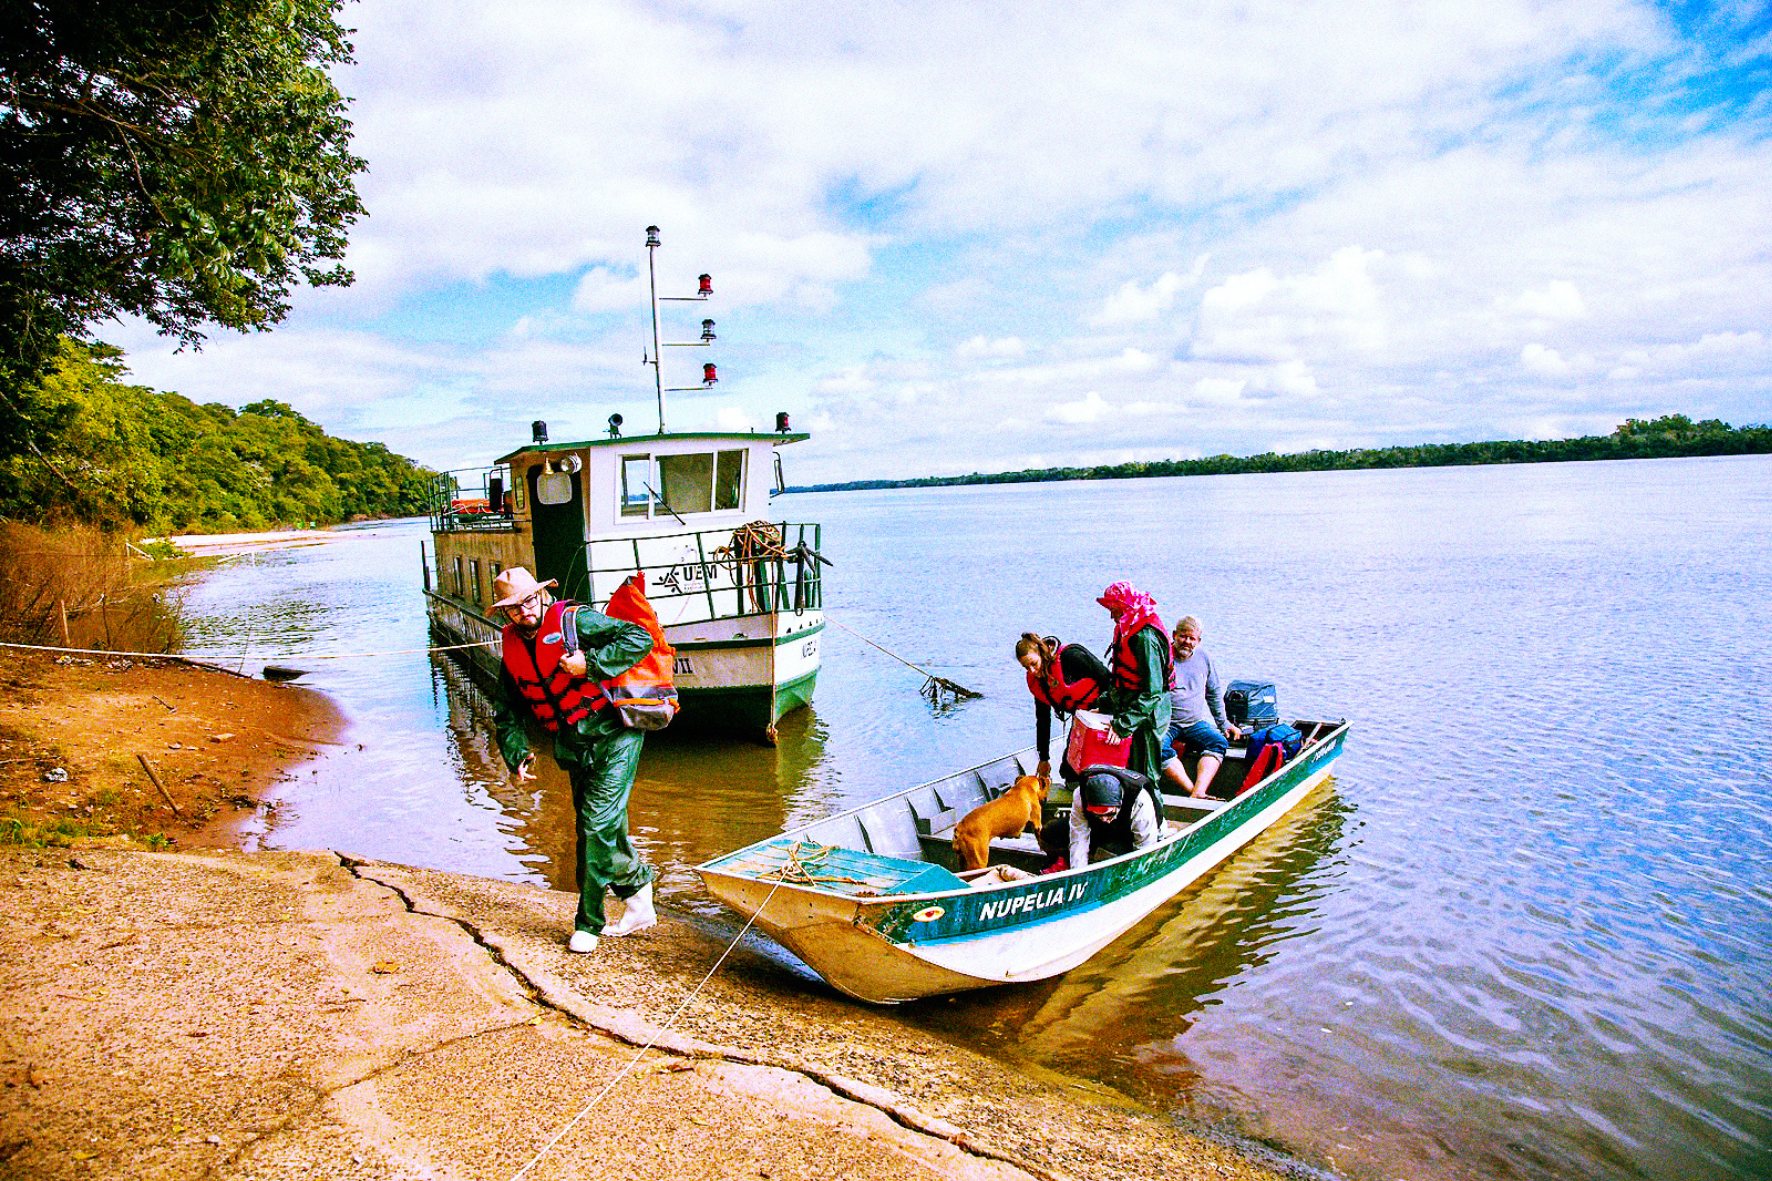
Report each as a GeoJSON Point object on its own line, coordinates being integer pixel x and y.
{"type": "Point", "coordinates": [216, 1013]}
{"type": "Point", "coordinates": [216, 544]}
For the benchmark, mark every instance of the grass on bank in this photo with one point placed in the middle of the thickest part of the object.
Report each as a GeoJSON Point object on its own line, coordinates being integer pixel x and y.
{"type": "Point", "coordinates": [80, 587]}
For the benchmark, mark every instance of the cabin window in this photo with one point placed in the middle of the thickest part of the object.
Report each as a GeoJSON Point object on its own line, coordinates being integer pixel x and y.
{"type": "Point", "coordinates": [687, 482]}
{"type": "Point", "coordinates": [729, 480]}
{"type": "Point", "coordinates": [699, 482]}
{"type": "Point", "coordinates": [460, 586]}
{"type": "Point", "coordinates": [636, 485]}
{"type": "Point", "coordinates": [474, 569]}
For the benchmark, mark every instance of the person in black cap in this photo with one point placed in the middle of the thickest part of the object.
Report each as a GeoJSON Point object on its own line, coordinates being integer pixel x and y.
{"type": "Point", "coordinates": [1120, 811]}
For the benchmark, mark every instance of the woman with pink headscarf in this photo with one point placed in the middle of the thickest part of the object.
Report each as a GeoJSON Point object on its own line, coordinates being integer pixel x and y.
{"type": "Point", "coordinates": [1143, 668]}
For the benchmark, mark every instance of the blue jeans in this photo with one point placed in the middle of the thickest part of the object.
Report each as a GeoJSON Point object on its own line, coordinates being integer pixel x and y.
{"type": "Point", "coordinates": [1203, 737]}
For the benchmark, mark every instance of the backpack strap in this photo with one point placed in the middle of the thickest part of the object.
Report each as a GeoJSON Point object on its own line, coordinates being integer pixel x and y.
{"type": "Point", "coordinates": [569, 628]}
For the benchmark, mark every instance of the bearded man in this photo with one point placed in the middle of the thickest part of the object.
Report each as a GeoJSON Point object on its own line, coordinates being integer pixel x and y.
{"type": "Point", "coordinates": [559, 679]}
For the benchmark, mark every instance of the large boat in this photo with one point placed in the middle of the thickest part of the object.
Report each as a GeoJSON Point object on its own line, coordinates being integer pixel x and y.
{"type": "Point", "coordinates": [873, 901]}
{"type": "Point", "coordinates": [739, 594]}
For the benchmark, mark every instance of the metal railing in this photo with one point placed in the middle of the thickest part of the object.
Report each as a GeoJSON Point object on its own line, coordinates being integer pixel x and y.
{"type": "Point", "coordinates": [707, 574]}
{"type": "Point", "coordinates": [462, 501]}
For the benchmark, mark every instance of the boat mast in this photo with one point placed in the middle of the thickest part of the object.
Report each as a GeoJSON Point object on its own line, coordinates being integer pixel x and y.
{"type": "Point", "coordinates": [652, 279]}
{"type": "Point", "coordinates": [704, 288]}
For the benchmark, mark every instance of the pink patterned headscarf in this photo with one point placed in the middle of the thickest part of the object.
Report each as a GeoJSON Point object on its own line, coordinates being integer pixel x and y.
{"type": "Point", "coordinates": [1137, 609]}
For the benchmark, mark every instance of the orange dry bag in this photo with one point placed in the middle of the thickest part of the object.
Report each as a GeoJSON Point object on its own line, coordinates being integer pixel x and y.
{"type": "Point", "coordinates": [644, 695]}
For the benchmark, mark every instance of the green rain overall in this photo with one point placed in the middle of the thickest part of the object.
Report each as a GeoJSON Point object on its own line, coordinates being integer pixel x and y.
{"type": "Point", "coordinates": [1143, 714]}
{"type": "Point", "coordinates": [600, 756]}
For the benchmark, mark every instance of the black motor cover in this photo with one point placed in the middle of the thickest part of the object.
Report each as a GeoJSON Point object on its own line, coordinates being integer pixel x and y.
{"type": "Point", "coordinates": [1252, 703]}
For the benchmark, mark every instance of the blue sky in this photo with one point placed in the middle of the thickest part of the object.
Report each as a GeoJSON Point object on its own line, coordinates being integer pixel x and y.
{"type": "Point", "coordinates": [957, 238]}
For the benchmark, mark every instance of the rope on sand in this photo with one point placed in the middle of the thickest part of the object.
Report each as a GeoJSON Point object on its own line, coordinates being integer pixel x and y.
{"type": "Point", "coordinates": [208, 659]}
{"type": "Point", "coordinates": [669, 1026]}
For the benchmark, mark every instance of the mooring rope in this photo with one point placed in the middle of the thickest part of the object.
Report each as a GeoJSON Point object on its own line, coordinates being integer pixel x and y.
{"type": "Point", "coordinates": [207, 658]}
{"type": "Point", "coordinates": [670, 1025]}
{"type": "Point", "coordinates": [931, 686]}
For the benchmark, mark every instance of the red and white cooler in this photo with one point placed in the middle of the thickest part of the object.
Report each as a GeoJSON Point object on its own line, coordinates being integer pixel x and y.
{"type": "Point", "coordinates": [1093, 743]}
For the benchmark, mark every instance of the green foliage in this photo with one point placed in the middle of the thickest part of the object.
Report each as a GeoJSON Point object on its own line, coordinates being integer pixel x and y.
{"type": "Point", "coordinates": [95, 450]}
{"type": "Point", "coordinates": [188, 163]}
{"type": "Point", "coordinates": [1668, 436]}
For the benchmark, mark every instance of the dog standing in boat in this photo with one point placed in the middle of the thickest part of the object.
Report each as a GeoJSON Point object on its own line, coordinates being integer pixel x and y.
{"type": "Point", "coordinates": [1004, 816]}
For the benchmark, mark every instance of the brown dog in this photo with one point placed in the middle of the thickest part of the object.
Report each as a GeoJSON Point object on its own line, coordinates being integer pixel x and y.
{"type": "Point", "coordinates": [1004, 816]}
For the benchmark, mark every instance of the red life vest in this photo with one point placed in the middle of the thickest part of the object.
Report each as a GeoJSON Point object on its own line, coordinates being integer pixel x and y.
{"type": "Point", "coordinates": [1062, 695]}
{"type": "Point", "coordinates": [1126, 661]}
{"type": "Point", "coordinates": [552, 692]}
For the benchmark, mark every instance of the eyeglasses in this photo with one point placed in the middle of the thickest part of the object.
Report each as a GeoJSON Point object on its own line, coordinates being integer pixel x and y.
{"type": "Point", "coordinates": [533, 603]}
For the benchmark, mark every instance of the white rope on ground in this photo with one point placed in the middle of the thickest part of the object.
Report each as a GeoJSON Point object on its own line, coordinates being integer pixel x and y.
{"type": "Point", "coordinates": [669, 1025]}
{"type": "Point", "coordinates": [211, 659]}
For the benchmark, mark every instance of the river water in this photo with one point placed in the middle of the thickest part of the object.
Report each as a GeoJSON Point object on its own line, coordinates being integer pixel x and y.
{"type": "Point", "coordinates": [1523, 932]}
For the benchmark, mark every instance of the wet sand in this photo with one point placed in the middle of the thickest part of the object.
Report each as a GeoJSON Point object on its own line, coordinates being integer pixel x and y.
{"type": "Point", "coordinates": [189, 1012]}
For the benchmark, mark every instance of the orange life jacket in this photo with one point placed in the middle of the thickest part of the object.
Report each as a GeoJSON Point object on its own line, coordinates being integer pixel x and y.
{"type": "Point", "coordinates": [645, 696]}
{"type": "Point", "coordinates": [553, 693]}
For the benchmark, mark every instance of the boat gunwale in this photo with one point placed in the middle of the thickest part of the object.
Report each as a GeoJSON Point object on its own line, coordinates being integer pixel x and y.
{"type": "Point", "coordinates": [864, 903]}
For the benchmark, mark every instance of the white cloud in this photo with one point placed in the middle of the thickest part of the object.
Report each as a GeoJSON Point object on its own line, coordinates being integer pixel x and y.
{"type": "Point", "coordinates": [1558, 300]}
{"type": "Point", "coordinates": [1090, 408]}
{"type": "Point", "coordinates": [1259, 315]}
{"type": "Point", "coordinates": [1535, 358]}
{"type": "Point", "coordinates": [1133, 304]}
{"type": "Point", "coordinates": [1418, 222]}
{"type": "Point", "coordinates": [1220, 389]}
{"type": "Point", "coordinates": [978, 347]}
{"type": "Point", "coordinates": [604, 290]}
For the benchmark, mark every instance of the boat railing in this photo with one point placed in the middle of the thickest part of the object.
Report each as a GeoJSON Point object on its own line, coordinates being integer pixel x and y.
{"type": "Point", "coordinates": [472, 500]}
{"type": "Point", "coordinates": [706, 574]}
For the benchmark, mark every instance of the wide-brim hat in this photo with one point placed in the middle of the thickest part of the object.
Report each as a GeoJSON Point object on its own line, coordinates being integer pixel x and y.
{"type": "Point", "coordinates": [516, 584]}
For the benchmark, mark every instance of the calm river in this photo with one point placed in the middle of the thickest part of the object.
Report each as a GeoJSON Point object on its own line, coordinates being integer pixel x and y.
{"type": "Point", "coordinates": [1523, 933]}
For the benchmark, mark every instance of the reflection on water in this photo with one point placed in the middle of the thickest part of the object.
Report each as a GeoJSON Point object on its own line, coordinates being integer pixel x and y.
{"type": "Point", "coordinates": [1183, 958]}
{"type": "Point", "coordinates": [1524, 934]}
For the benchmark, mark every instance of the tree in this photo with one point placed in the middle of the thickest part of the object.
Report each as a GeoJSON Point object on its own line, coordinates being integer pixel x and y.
{"type": "Point", "coordinates": [188, 163]}
{"type": "Point", "coordinates": [96, 465]}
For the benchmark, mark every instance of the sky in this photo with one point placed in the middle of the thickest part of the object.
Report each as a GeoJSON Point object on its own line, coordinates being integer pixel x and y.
{"type": "Point", "coordinates": [950, 238]}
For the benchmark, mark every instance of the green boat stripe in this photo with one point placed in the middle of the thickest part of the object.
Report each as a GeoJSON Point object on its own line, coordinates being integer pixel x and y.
{"type": "Point", "coordinates": [980, 915]}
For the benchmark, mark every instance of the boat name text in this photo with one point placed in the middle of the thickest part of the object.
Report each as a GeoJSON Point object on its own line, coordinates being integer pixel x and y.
{"type": "Point", "coordinates": [1002, 908]}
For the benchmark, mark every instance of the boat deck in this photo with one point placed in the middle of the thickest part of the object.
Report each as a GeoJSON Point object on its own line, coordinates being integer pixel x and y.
{"type": "Point", "coordinates": [842, 871]}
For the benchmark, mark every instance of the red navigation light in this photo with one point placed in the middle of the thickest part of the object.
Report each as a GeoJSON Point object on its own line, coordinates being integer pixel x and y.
{"type": "Point", "coordinates": [707, 286]}
{"type": "Point", "coordinates": [781, 421]}
{"type": "Point", "coordinates": [709, 375]}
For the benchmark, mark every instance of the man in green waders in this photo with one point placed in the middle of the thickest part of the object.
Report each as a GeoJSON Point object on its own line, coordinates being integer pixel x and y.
{"type": "Point", "coordinates": [560, 682]}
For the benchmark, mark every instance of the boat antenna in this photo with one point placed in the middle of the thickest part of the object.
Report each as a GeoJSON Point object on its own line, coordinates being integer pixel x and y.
{"type": "Point", "coordinates": [652, 279]}
{"type": "Point", "coordinates": [704, 287]}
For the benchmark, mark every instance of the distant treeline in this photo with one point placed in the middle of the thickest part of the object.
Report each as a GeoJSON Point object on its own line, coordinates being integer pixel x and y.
{"type": "Point", "coordinates": [84, 447]}
{"type": "Point", "coordinates": [1671, 435]}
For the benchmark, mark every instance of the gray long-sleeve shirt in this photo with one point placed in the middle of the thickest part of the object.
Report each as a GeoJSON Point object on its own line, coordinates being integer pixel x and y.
{"type": "Point", "coordinates": [1196, 697]}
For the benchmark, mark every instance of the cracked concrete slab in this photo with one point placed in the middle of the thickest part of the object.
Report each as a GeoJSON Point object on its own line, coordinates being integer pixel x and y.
{"type": "Point", "coordinates": [246, 1016]}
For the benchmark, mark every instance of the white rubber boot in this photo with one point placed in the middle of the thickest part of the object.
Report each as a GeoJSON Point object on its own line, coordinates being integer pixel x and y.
{"type": "Point", "coordinates": [581, 943]}
{"type": "Point", "coordinates": [638, 916]}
